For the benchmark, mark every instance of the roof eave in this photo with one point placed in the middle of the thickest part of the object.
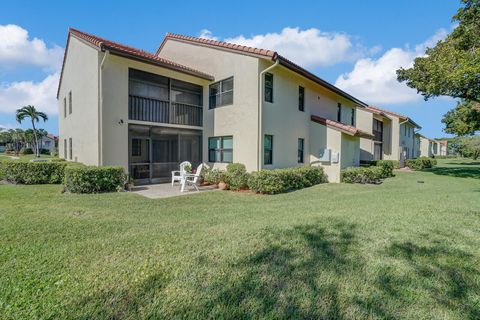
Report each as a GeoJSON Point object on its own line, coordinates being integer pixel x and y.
{"type": "Point", "coordinates": [292, 66]}
{"type": "Point", "coordinates": [124, 54]}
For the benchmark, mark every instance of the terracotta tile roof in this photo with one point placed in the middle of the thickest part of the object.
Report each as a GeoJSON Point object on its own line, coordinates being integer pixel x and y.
{"type": "Point", "coordinates": [129, 52]}
{"type": "Point", "coordinates": [388, 112]}
{"type": "Point", "coordinates": [221, 44]}
{"type": "Point", "coordinates": [345, 128]}
{"type": "Point", "coordinates": [51, 136]}
{"type": "Point", "coordinates": [260, 53]}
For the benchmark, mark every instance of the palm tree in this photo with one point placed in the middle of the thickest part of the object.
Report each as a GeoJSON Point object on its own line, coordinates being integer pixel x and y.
{"type": "Point", "coordinates": [35, 116]}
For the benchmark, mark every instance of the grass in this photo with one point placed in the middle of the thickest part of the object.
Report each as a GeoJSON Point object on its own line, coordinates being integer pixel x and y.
{"type": "Point", "coordinates": [26, 157]}
{"type": "Point", "coordinates": [408, 248]}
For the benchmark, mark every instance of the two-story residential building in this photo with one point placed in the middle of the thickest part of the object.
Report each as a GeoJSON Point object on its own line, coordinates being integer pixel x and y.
{"type": "Point", "coordinates": [203, 101]}
{"type": "Point", "coordinates": [393, 135]}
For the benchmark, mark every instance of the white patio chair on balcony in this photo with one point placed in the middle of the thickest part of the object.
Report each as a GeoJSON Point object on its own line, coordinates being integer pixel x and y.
{"type": "Point", "coordinates": [190, 179]}
{"type": "Point", "coordinates": [178, 174]}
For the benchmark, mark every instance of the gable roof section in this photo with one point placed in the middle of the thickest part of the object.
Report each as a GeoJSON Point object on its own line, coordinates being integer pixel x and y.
{"type": "Point", "coordinates": [116, 48]}
{"type": "Point", "coordinates": [345, 128]}
{"type": "Point", "coordinates": [259, 53]}
{"type": "Point", "coordinates": [391, 113]}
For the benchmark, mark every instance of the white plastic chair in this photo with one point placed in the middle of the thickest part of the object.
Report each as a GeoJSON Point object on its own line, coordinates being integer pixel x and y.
{"type": "Point", "coordinates": [191, 179]}
{"type": "Point", "coordinates": [178, 174]}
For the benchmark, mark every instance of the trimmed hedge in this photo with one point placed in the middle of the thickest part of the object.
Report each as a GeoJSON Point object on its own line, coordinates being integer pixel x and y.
{"type": "Point", "coordinates": [421, 163]}
{"type": "Point", "coordinates": [236, 176]}
{"type": "Point", "coordinates": [396, 163]}
{"type": "Point", "coordinates": [283, 180]}
{"type": "Point", "coordinates": [92, 179]}
{"type": "Point", "coordinates": [213, 176]}
{"type": "Point", "coordinates": [372, 174]}
{"type": "Point", "coordinates": [387, 167]}
{"type": "Point", "coordinates": [32, 172]}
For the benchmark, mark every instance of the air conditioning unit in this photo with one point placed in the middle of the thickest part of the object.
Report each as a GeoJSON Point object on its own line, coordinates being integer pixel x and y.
{"type": "Point", "coordinates": [335, 157]}
{"type": "Point", "coordinates": [324, 155]}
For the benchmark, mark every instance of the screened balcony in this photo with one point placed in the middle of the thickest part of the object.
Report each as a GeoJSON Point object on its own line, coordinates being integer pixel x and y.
{"type": "Point", "coordinates": [155, 98]}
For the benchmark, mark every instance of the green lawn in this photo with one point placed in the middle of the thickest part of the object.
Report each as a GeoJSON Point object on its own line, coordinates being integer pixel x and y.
{"type": "Point", "coordinates": [27, 157]}
{"type": "Point", "coordinates": [409, 248]}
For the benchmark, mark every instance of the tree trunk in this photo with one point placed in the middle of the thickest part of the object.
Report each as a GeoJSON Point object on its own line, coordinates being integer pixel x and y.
{"type": "Point", "coordinates": [37, 151]}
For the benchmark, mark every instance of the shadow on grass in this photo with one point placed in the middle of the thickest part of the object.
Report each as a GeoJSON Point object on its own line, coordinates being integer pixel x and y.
{"type": "Point", "coordinates": [464, 163]}
{"type": "Point", "coordinates": [447, 275]}
{"type": "Point", "coordinates": [316, 271]}
{"type": "Point", "coordinates": [459, 172]}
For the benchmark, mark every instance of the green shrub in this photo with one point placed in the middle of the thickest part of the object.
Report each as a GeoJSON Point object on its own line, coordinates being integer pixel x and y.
{"type": "Point", "coordinates": [396, 163]}
{"type": "Point", "coordinates": [92, 179]}
{"type": "Point", "coordinates": [26, 151]}
{"type": "Point", "coordinates": [387, 167]}
{"type": "Point", "coordinates": [32, 172]}
{"type": "Point", "coordinates": [45, 151]}
{"type": "Point", "coordinates": [57, 160]}
{"type": "Point", "coordinates": [236, 176]}
{"type": "Point", "coordinates": [283, 180]}
{"type": "Point", "coordinates": [213, 176]}
{"type": "Point", "coordinates": [421, 163]}
{"type": "Point", "coordinates": [372, 174]}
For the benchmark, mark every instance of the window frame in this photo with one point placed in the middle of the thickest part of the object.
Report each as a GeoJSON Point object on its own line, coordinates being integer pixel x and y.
{"type": "Point", "coordinates": [270, 151]}
{"type": "Point", "coordinates": [220, 94]}
{"type": "Point", "coordinates": [339, 112]}
{"type": "Point", "coordinates": [221, 149]}
{"type": "Point", "coordinates": [265, 87]}
{"type": "Point", "coordinates": [301, 151]}
{"type": "Point", "coordinates": [70, 103]}
{"type": "Point", "coordinates": [70, 150]}
{"type": "Point", "coordinates": [64, 107]}
{"type": "Point", "coordinates": [136, 147]}
{"type": "Point", "coordinates": [352, 119]}
{"type": "Point", "coordinates": [301, 98]}
{"type": "Point", "coordinates": [65, 149]}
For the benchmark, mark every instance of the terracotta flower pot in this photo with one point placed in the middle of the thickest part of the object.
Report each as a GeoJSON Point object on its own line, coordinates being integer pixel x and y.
{"type": "Point", "coordinates": [222, 186]}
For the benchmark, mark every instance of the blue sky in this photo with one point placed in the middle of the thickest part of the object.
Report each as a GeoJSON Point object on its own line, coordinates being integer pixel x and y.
{"type": "Point", "coordinates": [356, 45]}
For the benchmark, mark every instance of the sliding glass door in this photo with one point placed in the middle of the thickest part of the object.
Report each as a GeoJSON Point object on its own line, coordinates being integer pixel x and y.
{"type": "Point", "coordinates": [162, 150]}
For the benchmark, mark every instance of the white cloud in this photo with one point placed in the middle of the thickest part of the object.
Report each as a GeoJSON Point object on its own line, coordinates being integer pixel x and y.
{"type": "Point", "coordinates": [207, 34]}
{"type": "Point", "coordinates": [375, 80]}
{"type": "Point", "coordinates": [40, 94]}
{"type": "Point", "coordinates": [16, 48]}
{"type": "Point", "coordinates": [309, 48]}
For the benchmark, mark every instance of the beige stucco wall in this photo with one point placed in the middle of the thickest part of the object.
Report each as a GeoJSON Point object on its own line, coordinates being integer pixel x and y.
{"type": "Point", "coordinates": [393, 152]}
{"type": "Point", "coordinates": [365, 123]}
{"type": "Point", "coordinates": [80, 76]}
{"type": "Point", "coordinates": [240, 119]}
{"type": "Point", "coordinates": [115, 105]}
{"type": "Point", "coordinates": [322, 137]}
{"type": "Point", "coordinates": [407, 141]}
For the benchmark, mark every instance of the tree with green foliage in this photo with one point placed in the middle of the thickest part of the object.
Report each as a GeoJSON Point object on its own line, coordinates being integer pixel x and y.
{"type": "Point", "coordinates": [452, 68]}
{"type": "Point", "coordinates": [35, 116]}
{"type": "Point", "coordinates": [464, 119]}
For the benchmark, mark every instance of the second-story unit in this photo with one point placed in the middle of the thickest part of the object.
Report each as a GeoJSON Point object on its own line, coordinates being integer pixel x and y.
{"type": "Point", "coordinates": [203, 101]}
{"type": "Point", "coordinates": [393, 135]}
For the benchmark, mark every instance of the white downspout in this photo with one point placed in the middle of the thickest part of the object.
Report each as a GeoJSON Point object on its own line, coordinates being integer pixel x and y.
{"type": "Point", "coordinates": [260, 101]}
{"type": "Point", "coordinates": [100, 107]}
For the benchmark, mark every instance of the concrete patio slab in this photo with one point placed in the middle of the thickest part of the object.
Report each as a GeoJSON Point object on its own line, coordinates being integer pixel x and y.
{"type": "Point", "coordinates": [165, 190]}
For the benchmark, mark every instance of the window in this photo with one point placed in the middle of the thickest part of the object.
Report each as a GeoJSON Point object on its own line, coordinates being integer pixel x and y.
{"type": "Point", "coordinates": [220, 149]}
{"type": "Point", "coordinates": [136, 147]}
{"type": "Point", "coordinates": [268, 90]}
{"type": "Point", "coordinates": [70, 151]}
{"type": "Point", "coordinates": [221, 93]}
{"type": "Point", "coordinates": [65, 148]}
{"type": "Point", "coordinates": [65, 107]}
{"type": "Point", "coordinates": [301, 143]}
{"type": "Point", "coordinates": [301, 98]}
{"type": "Point", "coordinates": [378, 130]}
{"type": "Point", "coordinates": [268, 149]}
{"type": "Point", "coordinates": [339, 112]}
{"type": "Point", "coordinates": [352, 120]}
{"type": "Point", "coordinates": [70, 102]}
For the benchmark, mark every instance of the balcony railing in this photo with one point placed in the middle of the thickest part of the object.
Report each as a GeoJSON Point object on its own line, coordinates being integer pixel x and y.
{"type": "Point", "coordinates": [153, 110]}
